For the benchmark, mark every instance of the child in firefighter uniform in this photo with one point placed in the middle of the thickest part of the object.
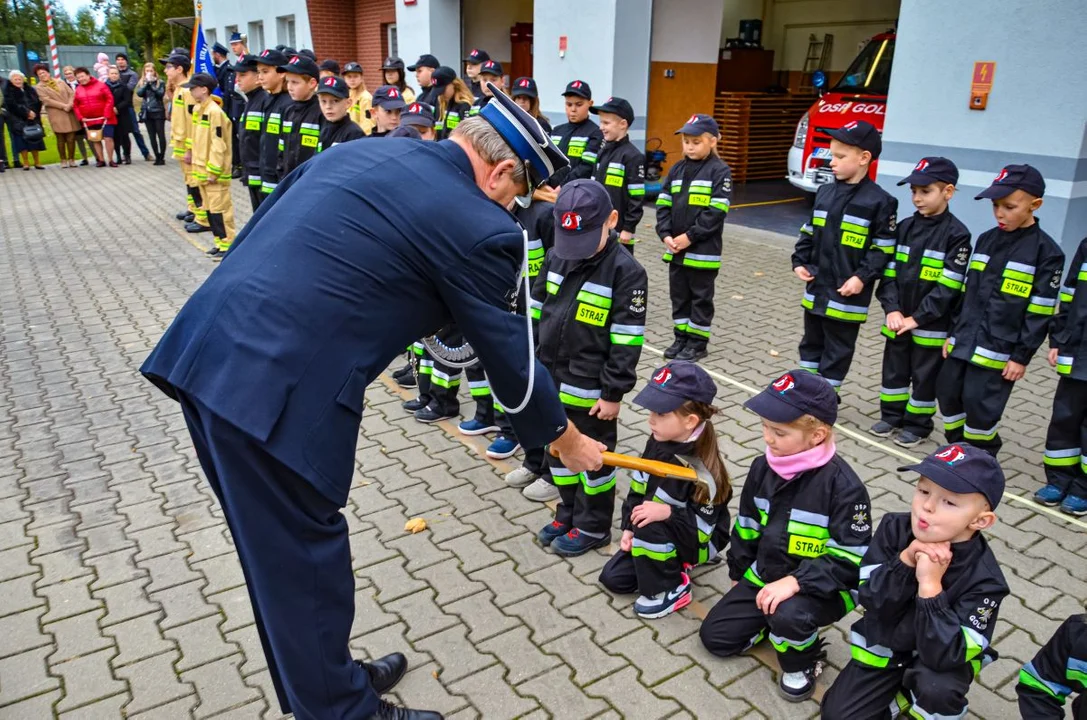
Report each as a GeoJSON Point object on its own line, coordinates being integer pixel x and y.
{"type": "Point", "coordinates": [930, 586]}
{"type": "Point", "coordinates": [1065, 448]}
{"type": "Point", "coordinates": [691, 210]}
{"type": "Point", "coordinates": [210, 157]}
{"type": "Point", "coordinates": [620, 166]}
{"type": "Point", "coordinates": [802, 527]}
{"type": "Point", "coordinates": [589, 296]}
{"type": "Point", "coordinates": [920, 288]}
{"type": "Point", "coordinates": [578, 138]}
{"type": "Point", "coordinates": [1012, 285]}
{"type": "Point", "coordinates": [1058, 670]}
{"type": "Point", "coordinates": [842, 251]}
{"type": "Point", "coordinates": [252, 121]}
{"type": "Point", "coordinates": [670, 525]}
{"type": "Point", "coordinates": [302, 118]}
{"type": "Point", "coordinates": [334, 97]}
{"type": "Point", "coordinates": [177, 70]}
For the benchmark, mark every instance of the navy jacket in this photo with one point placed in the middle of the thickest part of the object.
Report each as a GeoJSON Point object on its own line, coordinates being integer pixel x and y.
{"type": "Point", "coordinates": [340, 269]}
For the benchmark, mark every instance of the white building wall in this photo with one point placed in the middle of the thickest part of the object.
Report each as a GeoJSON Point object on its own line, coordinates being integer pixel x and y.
{"type": "Point", "coordinates": [431, 26]}
{"type": "Point", "coordinates": [219, 15]}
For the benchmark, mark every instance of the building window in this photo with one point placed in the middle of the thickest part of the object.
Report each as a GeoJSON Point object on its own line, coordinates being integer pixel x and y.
{"type": "Point", "coordinates": [256, 36]}
{"type": "Point", "coordinates": [391, 48]}
{"type": "Point", "coordinates": [210, 37]}
{"type": "Point", "coordinates": [285, 30]}
{"type": "Point", "coordinates": [229, 31]}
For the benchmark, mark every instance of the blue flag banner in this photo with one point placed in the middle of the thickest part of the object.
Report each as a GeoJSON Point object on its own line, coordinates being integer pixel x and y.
{"type": "Point", "coordinates": [201, 53]}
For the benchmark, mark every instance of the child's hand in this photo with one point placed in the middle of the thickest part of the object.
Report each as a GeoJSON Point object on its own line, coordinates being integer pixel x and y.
{"type": "Point", "coordinates": [775, 593]}
{"type": "Point", "coordinates": [802, 273]}
{"type": "Point", "coordinates": [894, 320]}
{"type": "Point", "coordinates": [944, 351]}
{"type": "Point", "coordinates": [605, 410]}
{"type": "Point", "coordinates": [930, 576]}
{"type": "Point", "coordinates": [187, 158]}
{"type": "Point", "coordinates": [936, 552]}
{"type": "Point", "coordinates": [545, 193]}
{"type": "Point", "coordinates": [1052, 356]}
{"type": "Point", "coordinates": [1014, 371]}
{"type": "Point", "coordinates": [682, 242]}
{"type": "Point", "coordinates": [626, 236]}
{"type": "Point", "coordinates": [852, 286]}
{"type": "Point", "coordinates": [907, 325]}
{"type": "Point", "coordinates": [649, 512]}
{"type": "Point", "coordinates": [626, 541]}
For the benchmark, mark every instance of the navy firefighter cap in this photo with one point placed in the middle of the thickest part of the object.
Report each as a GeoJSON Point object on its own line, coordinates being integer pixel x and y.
{"type": "Point", "coordinates": [419, 114]}
{"type": "Point", "coordinates": [352, 67]}
{"type": "Point", "coordinates": [1012, 178]}
{"type": "Point", "coordinates": [388, 97]}
{"type": "Point", "coordinates": [203, 80]}
{"type": "Point", "coordinates": [177, 60]}
{"type": "Point", "coordinates": [491, 68]}
{"type": "Point", "coordinates": [932, 169]}
{"type": "Point", "coordinates": [246, 63]}
{"type": "Point", "coordinates": [443, 76]}
{"type": "Point", "coordinates": [425, 61]}
{"type": "Point", "coordinates": [523, 134]}
{"type": "Point", "coordinates": [674, 384]}
{"type": "Point", "coordinates": [334, 86]}
{"type": "Point", "coordinates": [580, 211]}
{"type": "Point", "coordinates": [220, 48]}
{"type": "Point", "coordinates": [795, 394]}
{"type": "Point", "coordinates": [963, 468]}
{"type": "Point", "coordinates": [580, 88]}
{"type": "Point", "coordinates": [301, 65]}
{"type": "Point", "coordinates": [477, 56]}
{"type": "Point", "coordinates": [698, 124]}
{"type": "Point", "coordinates": [615, 106]}
{"type": "Point", "coordinates": [272, 57]}
{"type": "Point", "coordinates": [524, 86]}
{"type": "Point", "coordinates": [857, 133]}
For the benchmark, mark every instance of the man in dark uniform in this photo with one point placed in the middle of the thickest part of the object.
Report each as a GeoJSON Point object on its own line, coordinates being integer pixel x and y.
{"type": "Point", "coordinates": [271, 356]}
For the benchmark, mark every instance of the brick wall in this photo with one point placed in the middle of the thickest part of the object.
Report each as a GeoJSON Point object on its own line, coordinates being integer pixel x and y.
{"type": "Point", "coordinates": [347, 30]}
{"type": "Point", "coordinates": [370, 16]}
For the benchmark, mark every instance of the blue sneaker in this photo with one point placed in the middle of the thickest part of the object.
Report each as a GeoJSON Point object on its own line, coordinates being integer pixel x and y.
{"type": "Point", "coordinates": [1074, 505]}
{"type": "Point", "coordinates": [551, 531]}
{"type": "Point", "coordinates": [664, 603]}
{"type": "Point", "coordinates": [475, 427]}
{"type": "Point", "coordinates": [576, 543]}
{"type": "Point", "coordinates": [503, 447]}
{"type": "Point", "coordinates": [1050, 495]}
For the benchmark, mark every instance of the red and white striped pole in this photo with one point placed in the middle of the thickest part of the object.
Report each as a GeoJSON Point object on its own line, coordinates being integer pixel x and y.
{"type": "Point", "coordinates": [54, 56]}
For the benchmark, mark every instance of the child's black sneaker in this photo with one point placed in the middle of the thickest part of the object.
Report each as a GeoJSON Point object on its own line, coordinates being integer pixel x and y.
{"type": "Point", "coordinates": [550, 531]}
{"type": "Point", "coordinates": [881, 429]}
{"type": "Point", "coordinates": [692, 352]}
{"type": "Point", "coordinates": [431, 414]}
{"type": "Point", "coordinates": [405, 377]}
{"type": "Point", "coordinates": [675, 348]}
{"type": "Point", "coordinates": [907, 439]}
{"type": "Point", "coordinates": [576, 543]}
{"type": "Point", "coordinates": [414, 406]}
{"type": "Point", "coordinates": [798, 686]}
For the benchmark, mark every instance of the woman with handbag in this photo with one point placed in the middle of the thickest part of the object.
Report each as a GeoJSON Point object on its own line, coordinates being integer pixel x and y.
{"type": "Point", "coordinates": [81, 133]}
{"type": "Point", "coordinates": [153, 110]}
{"type": "Point", "coordinates": [57, 98]}
{"type": "Point", "coordinates": [24, 108]}
{"type": "Point", "coordinates": [93, 107]}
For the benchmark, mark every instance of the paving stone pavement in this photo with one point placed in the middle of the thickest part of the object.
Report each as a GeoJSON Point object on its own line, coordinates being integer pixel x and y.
{"type": "Point", "coordinates": [121, 595]}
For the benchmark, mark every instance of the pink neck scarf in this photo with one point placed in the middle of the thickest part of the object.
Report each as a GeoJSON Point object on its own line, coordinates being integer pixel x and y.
{"type": "Point", "coordinates": [790, 466]}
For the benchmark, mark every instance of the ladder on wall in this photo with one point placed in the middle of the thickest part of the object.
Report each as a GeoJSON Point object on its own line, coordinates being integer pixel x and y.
{"type": "Point", "coordinates": [818, 58]}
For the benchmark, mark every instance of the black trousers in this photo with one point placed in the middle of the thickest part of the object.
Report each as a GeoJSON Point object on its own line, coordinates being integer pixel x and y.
{"type": "Point", "coordinates": [736, 624]}
{"type": "Point", "coordinates": [1066, 439]}
{"type": "Point", "coordinates": [691, 291]}
{"type": "Point", "coordinates": [655, 563]}
{"type": "Point", "coordinates": [156, 133]}
{"type": "Point", "coordinates": [586, 500]}
{"type": "Point", "coordinates": [122, 141]}
{"type": "Point", "coordinates": [827, 347]}
{"type": "Point", "coordinates": [906, 363]}
{"type": "Point", "coordinates": [293, 547]}
{"type": "Point", "coordinates": [439, 384]}
{"type": "Point", "coordinates": [1044, 683]}
{"type": "Point", "coordinates": [972, 401]}
{"type": "Point", "coordinates": [256, 197]}
{"type": "Point", "coordinates": [862, 692]}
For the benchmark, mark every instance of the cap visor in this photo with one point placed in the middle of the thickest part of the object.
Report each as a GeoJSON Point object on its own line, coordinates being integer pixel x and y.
{"type": "Point", "coordinates": [919, 179]}
{"type": "Point", "coordinates": [580, 246]}
{"type": "Point", "coordinates": [656, 400]}
{"type": "Point", "coordinates": [329, 91]}
{"type": "Point", "coordinates": [521, 92]}
{"type": "Point", "coordinates": [995, 192]}
{"type": "Point", "coordinates": [688, 130]}
{"type": "Point", "coordinates": [413, 68]}
{"type": "Point", "coordinates": [396, 104]}
{"type": "Point", "coordinates": [770, 406]}
{"type": "Point", "coordinates": [416, 120]}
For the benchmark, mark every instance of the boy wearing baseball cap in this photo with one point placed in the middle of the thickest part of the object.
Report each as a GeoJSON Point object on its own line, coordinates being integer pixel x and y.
{"type": "Point", "coordinates": [919, 289]}
{"type": "Point", "coordinates": [302, 118]}
{"type": "Point", "coordinates": [270, 75]}
{"type": "Point", "coordinates": [931, 588]}
{"type": "Point", "coordinates": [590, 298]}
{"type": "Point", "coordinates": [472, 63]}
{"type": "Point", "coordinates": [421, 116]}
{"type": "Point", "coordinates": [424, 69]}
{"type": "Point", "coordinates": [620, 166]}
{"type": "Point", "coordinates": [334, 98]}
{"type": "Point", "coordinates": [177, 67]}
{"type": "Point", "coordinates": [249, 128]}
{"type": "Point", "coordinates": [842, 250]}
{"type": "Point", "coordinates": [579, 138]}
{"type": "Point", "coordinates": [386, 105]}
{"type": "Point", "coordinates": [490, 74]}
{"type": "Point", "coordinates": [210, 156]}
{"type": "Point", "coordinates": [691, 210]}
{"type": "Point", "coordinates": [801, 530]}
{"type": "Point", "coordinates": [1009, 302]}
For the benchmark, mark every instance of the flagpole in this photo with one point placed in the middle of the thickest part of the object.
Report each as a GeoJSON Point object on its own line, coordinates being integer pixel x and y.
{"type": "Point", "coordinates": [196, 29]}
{"type": "Point", "coordinates": [53, 54]}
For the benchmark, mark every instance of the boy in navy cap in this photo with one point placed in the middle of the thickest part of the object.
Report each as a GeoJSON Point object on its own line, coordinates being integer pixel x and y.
{"type": "Point", "coordinates": [386, 105]}
{"type": "Point", "coordinates": [335, 101]}
{"type": "Point", "coordinates": [931, 587]}
{"type": "Point", "coordinates": [490, 73]}
{"type": "Point", "coordinates": [328, 68]}
{"type": "Point", "coordinates": [842, 251]}
{"type": "Point", "coordinates": [590, 299]}
{"type": "Point", "coordinates": [920, 288]}
{"type": "Point", "coordinates": [1065, 452]}
{"type": "Point", "coordinates": [302, 119]}
{"type": "Point", "coordinates": [801, 530]}
{"type": "Point", "coordinates": [1010, 300]}
{"type": "Point", "coordinates": [249, 128]}
{"type": "Point", "coordinates": [691, 210]}
{"type": "Point", "coordinates": [472, 63]}
{"type": "Point", "coordinates": [670, 525]}
{"type": "Point", "coordinates": [620, 166]}
{"type": "Point", "coordinates": [579, 137]}
{"type": "Point", "coordinates": [270, 75]}
{"type": "Point", "coordinates": [424, 69]}
{"type": "Point", "coordinates": [421, 117]}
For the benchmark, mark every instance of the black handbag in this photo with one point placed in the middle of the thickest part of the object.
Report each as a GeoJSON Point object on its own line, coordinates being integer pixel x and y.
{"type": "Point", "coordinates": [33, 132]}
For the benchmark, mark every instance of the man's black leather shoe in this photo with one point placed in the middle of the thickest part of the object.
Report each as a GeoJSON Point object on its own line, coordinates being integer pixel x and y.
{"type": "Point", "coordinates": [385, 672]}
{"type": "Point", "coordinates": [388, 711]}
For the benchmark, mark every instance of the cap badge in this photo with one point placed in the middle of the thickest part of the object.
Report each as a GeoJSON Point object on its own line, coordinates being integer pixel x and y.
{"type": "Point", "coordinates": [264, 53]}
{"type": "Point", "coordinates": [851, 125]}
{"type": "Point", "coordinates": [524, 83]}
{"type": "Point", "coordinates": [922, 165]}
{"type": "Point", "coordinates": [784, 384]}
{"type": "Point", "coordinates": [662, 377]}
{"type": "Point", "coordinates": [576, 84]}
{"type": "Point", "coordinates": [571, 221]}
{"type": "Point", "coordinates": [1003, 174]}
{"type": "Point", "coordinates": [393, 92]}
{"type": "Point", "coordinates": [693, 119]}
{"type": "Point", "coordinates": [951, 454]}
{"type": "Point", "coordinates": [294, 60]}
{"type": "Point", "coordinates": [330, 81]}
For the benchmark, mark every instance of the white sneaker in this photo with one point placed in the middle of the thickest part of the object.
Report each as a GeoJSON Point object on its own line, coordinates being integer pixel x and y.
{"type": "Point", "coordinates": [541, 491]}
{"type": "Point", "coordinates": [521, 477]}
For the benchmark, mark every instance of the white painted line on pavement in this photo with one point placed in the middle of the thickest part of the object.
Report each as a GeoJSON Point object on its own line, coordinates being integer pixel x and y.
{"type": "Point", "coordinates": [864, 439]}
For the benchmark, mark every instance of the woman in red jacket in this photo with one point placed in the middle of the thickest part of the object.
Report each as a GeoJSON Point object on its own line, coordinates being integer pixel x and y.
{"type": "Point", "coordinates": [93, 107]}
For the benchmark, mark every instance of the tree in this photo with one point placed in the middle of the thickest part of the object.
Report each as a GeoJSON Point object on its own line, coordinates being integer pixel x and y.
{"type": "Point", "coordinates": [24, 21]}
{"type": "Point", "coordinates": [141, 24]}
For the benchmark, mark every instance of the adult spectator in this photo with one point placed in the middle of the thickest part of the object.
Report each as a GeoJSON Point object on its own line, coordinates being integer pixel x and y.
{"type": "Point", "coordinates": [93, 107]}
{"type": "Point", "coordinates": [57, 99]}
{"type": "Point", "coordinates": [237, 44]}
{"type": "Point", "coordinates": [81, 134]}
{"type": "Point", "coordinates": [24, 108]}
{"type": "Point", "coordinates": [130, 78]}
{"type": "Point", "coordinates": [152, 89]}
{"type": "Point", "coordinates": [122, 103]}
{"type": "Point", "coordinates": [3, 123]}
